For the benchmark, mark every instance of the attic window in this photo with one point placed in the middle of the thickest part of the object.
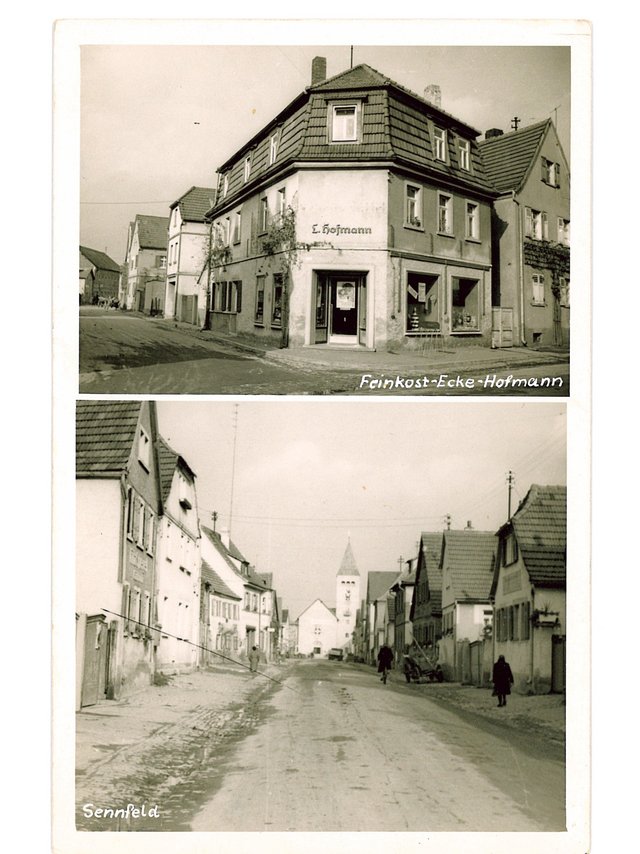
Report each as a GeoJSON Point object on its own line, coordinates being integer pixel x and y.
{"type": "Point", "coordinates": [185, 504]}
{"type": "Point", "coordinates": [143, 448]}
{"type": "Point", "coordinates": [247, 169]}
{"type": "Point", "coordinates": [344, 122]}
{"type": "Point", "coordinates": [550, 172]}
{"type": "Point", "coordinates": [463, 153]}
{"type": "Point", "coordinates": [440, 137]}
{"type": "Point", "coordinates": [273, 149]}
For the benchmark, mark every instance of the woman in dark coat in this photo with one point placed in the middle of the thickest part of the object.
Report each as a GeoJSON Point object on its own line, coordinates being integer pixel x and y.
{"type": "Point", "coordinates": [502, 680]}
{"type": "Point", "coordinates": [385, 660]}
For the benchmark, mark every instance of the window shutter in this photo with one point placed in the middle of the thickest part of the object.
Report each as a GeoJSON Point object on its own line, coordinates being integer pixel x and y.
{"type": "Point", "coordinates": [545, 226]}
{"type": "Point", "coordinates": [543, 169]}
{"type": "Point", "coordinates": [528, 222]}
{"type": "Point", "coordinates": [238, 297]}
{"type": "Point", "coordinates": [557, 174]}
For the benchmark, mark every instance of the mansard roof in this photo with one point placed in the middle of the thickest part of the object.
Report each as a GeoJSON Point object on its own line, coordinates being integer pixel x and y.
{"type": "Point", "coordinates": [397, 127]}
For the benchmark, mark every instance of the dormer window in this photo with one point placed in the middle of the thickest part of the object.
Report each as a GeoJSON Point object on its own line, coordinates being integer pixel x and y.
{"type": "Point", "coordinates": [463, 153]}
{"type": "Point", "coordinates": [247, 169]}
{"type": "Point", "coordinates": [273, 149]}
{"type": "Point", "coordinates": [440, 137]}
{"type": "Point", "coordinates": [225, 185]}
{"type": "Point", "coordinates": [344, 122]}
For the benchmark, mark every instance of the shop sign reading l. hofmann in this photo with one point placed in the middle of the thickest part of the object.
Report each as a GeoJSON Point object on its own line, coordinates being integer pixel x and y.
{"type": "Point", "coordinates": [328, 228]}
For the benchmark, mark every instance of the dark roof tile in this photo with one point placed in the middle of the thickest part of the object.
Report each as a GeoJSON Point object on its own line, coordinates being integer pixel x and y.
{"type": "Point", "coordinates": [508, 158]}
{"type": "Point", "coordinates": [105, 433]}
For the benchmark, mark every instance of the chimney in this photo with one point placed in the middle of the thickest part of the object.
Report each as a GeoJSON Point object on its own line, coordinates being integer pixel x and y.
{"type": "Point", "coordinates": [318, 70]}
{"type": "Point", "coordinates": [433, 95]}
{"type": "Point", "coordinates": [493, 132]}
{"type": "Point", "coordinates": [469, 526]}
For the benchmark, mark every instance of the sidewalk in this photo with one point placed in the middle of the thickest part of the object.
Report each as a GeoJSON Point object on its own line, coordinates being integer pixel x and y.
{"type": "Point", "coordinates": [111, 728]}
{"type": "Point", "coordinates": [541, 714]}
{"type": "Point", "coordinates": [445, 356]}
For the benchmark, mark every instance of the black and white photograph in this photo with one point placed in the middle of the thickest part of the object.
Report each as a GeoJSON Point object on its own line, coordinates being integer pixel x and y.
{"type": "Point", "coordinates": [299, 616]}
{"type": "Point", "coordinates": [322, 219]}
{"type": "Point", "coordinates": [321, 438]}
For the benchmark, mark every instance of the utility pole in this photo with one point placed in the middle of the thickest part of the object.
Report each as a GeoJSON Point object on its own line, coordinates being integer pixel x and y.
{"type": "Point", "coordinates": [233, 463]}
{"type": "Point", "coordinates": [214, 519]}
{"type": "Point", "coordinates": [510, 483]}
{"type": "Point", "coordinates": [400, 562]}
{"type": "Point", "coordinates": [515, 121]}
{"type": "Point", "coordinates": [447, 521]}
{"type": "Point", "coordinates": [351, 59]}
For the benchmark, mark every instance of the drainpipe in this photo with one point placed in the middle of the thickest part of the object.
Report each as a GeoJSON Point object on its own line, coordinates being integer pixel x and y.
{"type": "Point", "coordinates": [532, 671]}
{"type": "Point", "coordinates": [523, 339]}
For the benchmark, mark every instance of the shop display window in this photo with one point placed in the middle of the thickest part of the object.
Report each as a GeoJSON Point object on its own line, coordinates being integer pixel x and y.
{"type": "Point", "coordinates": [465, 305]}
{"type": "Point", "coordinates": [422, 304]}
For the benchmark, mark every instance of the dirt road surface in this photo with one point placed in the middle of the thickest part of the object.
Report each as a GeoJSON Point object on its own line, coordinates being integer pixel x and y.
{"type": "Point", "coordinates": [336, 750]}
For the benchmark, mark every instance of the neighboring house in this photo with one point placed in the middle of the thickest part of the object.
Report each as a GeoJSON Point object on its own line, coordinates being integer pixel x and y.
{"type": "Point", "coordinates": [317, 626]}
{"type": "Point", "coordinates": [360, 215]}
{"type": "Point", "coordinates": [529, 591]}
{"type": "Point", "coordinates": [359, 648]}
{"type": "Point", "coordinates": [235, 570]}
{"type": "Point", "coordinates": [467, 563]}
{"type": "Point", "coordinates": [378, 586]}
{"type": "Point", "coordinates": [145, 263]}
{"type": "Point", "coordinates": [99, 276]}
{"type": "Point", "coordinates": [188, 245]}
{"type": "Point", "coordinates": [426, 603]}
{"type": "Point", "coordinates": [177, 564]}
{"type": "Point", "coordinates": [219, 618]}
{"type": "Point", "coordinates": [347, 598]}
{"type": "Point", "coordinates": [118, 502]}
{"type": "Point", "coordinates": [403, 596]}
{"type": "Point", "coordinates": [270, 629]}
{"type": "Point", "coordinates": [531, 223]}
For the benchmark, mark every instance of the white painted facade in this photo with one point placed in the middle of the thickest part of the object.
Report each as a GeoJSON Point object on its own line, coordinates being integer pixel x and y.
{"type": "Point", "coordinates": [186, 297]}
{"type": "Point", "coordinates": [316, 630]}
{"type": "Point", "coordinates": [178, 576]}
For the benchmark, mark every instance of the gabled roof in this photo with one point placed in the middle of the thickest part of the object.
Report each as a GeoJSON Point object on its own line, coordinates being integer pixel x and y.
{"type": "Point", "coordinates": [429, 559]}
{"type": "Point", "coordinates": [540, 526]}
{"type": "Point", "coordinates": [168, 461]}
{"type": "Point", "coordinates": [470, 561]}
{"type": "Point", "coordinates": [218, 586]}
{"type": "Point", "coordinates": [348, 565]}
{"type": "Point", "coordinates": [330, 610]}
{"type": "Point", "coordinates": [195, 203]}
{"type": "Point", "coordinates": [378, 583]}
{"type": "Point", "coordinates": [508, 158]}
{"type": "Point", "coordinates": [230, 554]}
{"type": "Point", "coordinates": [99, 259]}
{"type": "Point", "coordinates": [391, 607]}
{"type": "Point", "coordinates": [105, 433]}
{"type": "Point", "coordinates": [152, 231]}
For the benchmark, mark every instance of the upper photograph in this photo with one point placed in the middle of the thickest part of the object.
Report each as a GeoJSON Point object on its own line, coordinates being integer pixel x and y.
{"type": "Point", "coordinates": [315, 220]}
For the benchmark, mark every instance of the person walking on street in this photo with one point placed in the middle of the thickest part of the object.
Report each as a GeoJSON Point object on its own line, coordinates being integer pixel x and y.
{"type": "Point", "coordinates": [254, 659]}
{"type": "Point", "coordinates": [502, 680]}
{"type": "Point", "coordinates": [385, 660]}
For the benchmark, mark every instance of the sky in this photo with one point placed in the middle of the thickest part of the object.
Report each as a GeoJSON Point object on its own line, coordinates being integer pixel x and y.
{"type": "Point", "coordinates": [158, 119]}
{"type": "Point", "coordinates": [307, 477]}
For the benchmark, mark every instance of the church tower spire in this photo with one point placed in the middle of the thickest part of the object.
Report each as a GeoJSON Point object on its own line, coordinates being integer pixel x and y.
{"type": "Point", "coordinates": [347, 599]}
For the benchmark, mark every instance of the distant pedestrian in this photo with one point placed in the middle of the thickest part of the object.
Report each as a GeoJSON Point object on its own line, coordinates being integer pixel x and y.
{"type": "Point", "coordinates": [502, 680]}
{"type": "Point", "coordinates": [254, 659]}
{"type": "Point", "coordinates": [385, 660]}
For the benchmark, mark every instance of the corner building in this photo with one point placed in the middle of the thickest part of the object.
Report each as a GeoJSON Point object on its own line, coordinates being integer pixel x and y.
{"type": "Point", "coordinates": [359, 216]}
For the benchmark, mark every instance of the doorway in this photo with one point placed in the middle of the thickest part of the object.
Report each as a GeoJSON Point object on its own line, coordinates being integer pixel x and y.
{"type": "Point", "coordinates": [340, 309]}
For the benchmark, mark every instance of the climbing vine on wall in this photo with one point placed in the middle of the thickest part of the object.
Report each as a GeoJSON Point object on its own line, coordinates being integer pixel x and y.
{"type": "Point", "coordinates": [548, 256]}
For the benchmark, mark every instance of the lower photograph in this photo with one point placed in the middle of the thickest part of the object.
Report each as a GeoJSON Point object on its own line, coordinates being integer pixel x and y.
{"type": "Point", "coordinates": [294, 615]}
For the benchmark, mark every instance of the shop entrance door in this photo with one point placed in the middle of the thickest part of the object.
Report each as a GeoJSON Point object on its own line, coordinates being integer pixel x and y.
{"type": "Point", "coordinates": [344, 310]}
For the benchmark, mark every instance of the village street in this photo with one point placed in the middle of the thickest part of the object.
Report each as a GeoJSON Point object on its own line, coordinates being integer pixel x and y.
{"type": "Point", "coordinates": [127, 353]}
{"type": "Point", "coordinates": [328, 747]}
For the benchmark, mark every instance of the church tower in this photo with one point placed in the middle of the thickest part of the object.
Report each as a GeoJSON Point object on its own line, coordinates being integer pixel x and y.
{"type": "Point", "coordinates": [347, 599]}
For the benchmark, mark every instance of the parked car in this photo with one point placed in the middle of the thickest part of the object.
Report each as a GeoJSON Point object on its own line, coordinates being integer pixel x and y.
{"type": "Point", "coordinates": [335, 654]}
